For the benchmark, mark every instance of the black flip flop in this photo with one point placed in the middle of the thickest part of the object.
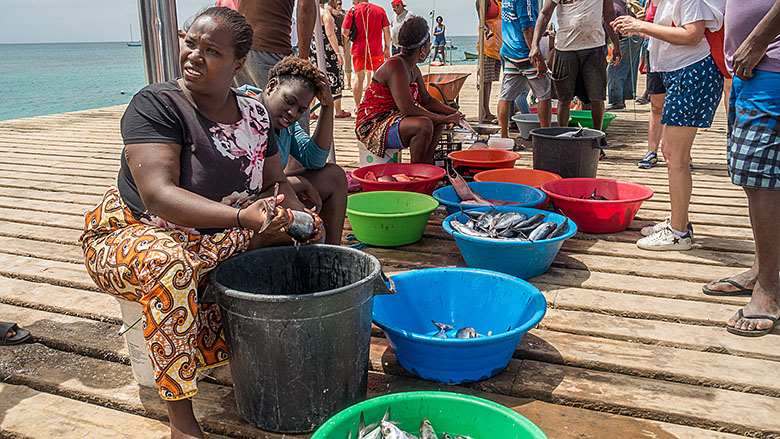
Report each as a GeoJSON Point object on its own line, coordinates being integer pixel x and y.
{"type": "Point", "coordinates": [20, 337]}
{"type": "Point", "coordinates": [755, 332]}
{"type": "Point", "coordinates": [740, 291]}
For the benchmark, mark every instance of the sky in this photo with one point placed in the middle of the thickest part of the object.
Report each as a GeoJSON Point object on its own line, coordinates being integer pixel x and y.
{"type": "Point", "coordinates": [65, 21]}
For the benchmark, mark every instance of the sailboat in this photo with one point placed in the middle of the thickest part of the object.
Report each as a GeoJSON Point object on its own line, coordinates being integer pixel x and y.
{"type": "Point", "coordinates": [132, 43]}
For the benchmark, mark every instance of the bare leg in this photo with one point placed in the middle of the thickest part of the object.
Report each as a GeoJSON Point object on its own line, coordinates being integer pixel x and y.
{"type": "Point", "coordinates": [764, 210]}
{"type": "Point", "coordinates": [421, 136]}
{"type": "Point", "coordinates": [597, 113]}
{"type": "Point", "coordinates": [182, 420]}
{"type": "Point", "coordinates": [357, 87]}
{"type": "Point", "coordinates": [563, 113]}
{"type": "Point", "coordinates": [331, 183]}
{"type": "Point", "coordinates": [486, 88]}
{"type": "Point", "coordinates": [337, 105]}
{"type": "Point", "coordinates": [677, 153]}
{"type": "Point", "coordinates": [544, 110]}
{"type": "Point", "coordinates": [504, 108]}
{"type": "Point", "coordinates": [654, 128]}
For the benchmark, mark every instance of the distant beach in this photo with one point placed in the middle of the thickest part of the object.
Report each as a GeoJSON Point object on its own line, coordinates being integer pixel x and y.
{"type": "Point", "coordinates": [38, 79]}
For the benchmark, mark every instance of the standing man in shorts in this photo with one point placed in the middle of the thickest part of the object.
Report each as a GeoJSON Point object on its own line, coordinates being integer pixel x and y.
{"type": "Point", "coordinates": [271, 22]}
{"type": "Point", "coordinates": [491, 65]}
{"type": "Point", "coordinates": [752, 47]}
{"type": "Point", "coordinates": [580, 61]}
{"type": "Point", "coordinates": [517, 29]}
{"type": "Point", "coordinates": [367, 49]}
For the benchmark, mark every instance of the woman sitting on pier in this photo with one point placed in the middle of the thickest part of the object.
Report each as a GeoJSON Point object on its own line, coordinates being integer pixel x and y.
{"type": "Point", "coordinates": [397, 111]}
{"type": "Point", "coordinates": [197, 155]}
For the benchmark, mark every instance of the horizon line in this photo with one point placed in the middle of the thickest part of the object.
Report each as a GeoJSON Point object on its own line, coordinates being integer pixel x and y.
{"type": "Point", "coordinates": [117, 41]}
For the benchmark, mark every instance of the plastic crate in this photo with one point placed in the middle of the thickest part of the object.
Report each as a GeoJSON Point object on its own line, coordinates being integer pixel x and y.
{"type": "Point", "coordinates": [447, 144]}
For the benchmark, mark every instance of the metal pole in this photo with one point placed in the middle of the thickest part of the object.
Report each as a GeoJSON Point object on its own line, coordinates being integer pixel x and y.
{"type": "Point", "coordinates": [480, 68]}
{"type": "Point", "coordinates": [160, 39]}
{"type": "Point", "coordinates": [319, 43]}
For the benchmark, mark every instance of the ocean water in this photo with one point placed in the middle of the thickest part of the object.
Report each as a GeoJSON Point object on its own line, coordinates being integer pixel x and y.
{"type": "Point", "coordinates": [38, 79]}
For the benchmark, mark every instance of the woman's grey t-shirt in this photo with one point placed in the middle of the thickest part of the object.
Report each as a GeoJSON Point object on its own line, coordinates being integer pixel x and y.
{"type": "Point", "coordinates": [221, 162]}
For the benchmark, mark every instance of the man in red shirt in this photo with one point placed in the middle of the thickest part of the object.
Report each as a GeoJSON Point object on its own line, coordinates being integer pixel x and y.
{"type": "Point", "coordinates": [367, 50]}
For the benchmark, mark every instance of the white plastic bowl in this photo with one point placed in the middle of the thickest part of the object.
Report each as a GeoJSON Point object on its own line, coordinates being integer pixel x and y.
{"type": "Point", "coordinates": [501, 143]}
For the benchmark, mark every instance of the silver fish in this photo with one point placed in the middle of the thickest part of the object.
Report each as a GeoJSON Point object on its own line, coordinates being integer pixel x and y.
{"type": "Point", "coordinates": [467, 332]}
{"type": "Point", "coordinates": [510, 219]}
{"type": "Point", "coordinates": [560, 230]}
{"type": "Point", "coordinates": [371, 431]}
{"type": "Point", "coordinates": [445, 436]}
{"type": "Point", "coordinates": [534, 220]}
{"type": "Point", "coordinates": [466, 230]}
{"type": "Point", "coordinates": [542, 231]}
{"type": "Point", "coordinates": [388, 430]}
{"type": "Point", "coordinates": [442, 329]}
{"type": "Point", "coordinates": [426, 430]}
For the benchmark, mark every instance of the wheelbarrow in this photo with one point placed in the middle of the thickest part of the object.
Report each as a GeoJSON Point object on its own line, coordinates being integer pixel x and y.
{"type": "Point", "coordinates": [445, 86]}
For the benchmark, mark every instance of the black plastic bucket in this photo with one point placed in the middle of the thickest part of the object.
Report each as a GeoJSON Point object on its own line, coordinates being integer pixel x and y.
{"type": "Point", "coordinates": [298, 330]}
{"type": "Point", "coordinates": [567, 156]}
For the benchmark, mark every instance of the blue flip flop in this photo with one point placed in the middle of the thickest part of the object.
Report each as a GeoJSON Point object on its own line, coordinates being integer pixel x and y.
{"type": "Point", "coordinates": [755, 332]}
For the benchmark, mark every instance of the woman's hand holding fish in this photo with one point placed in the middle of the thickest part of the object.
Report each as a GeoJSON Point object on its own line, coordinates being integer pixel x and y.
{"type": "Point", "coordinates": [269, 221]}
{"type": "Point", "coordinates": [318, 228]}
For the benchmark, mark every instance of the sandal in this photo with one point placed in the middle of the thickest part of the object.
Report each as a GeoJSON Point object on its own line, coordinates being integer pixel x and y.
{"type": "Point", "coordinates": [740, 291]}
{"type": "Point", "coordinates": [643, 101]}
{"type": "Point", "coordinates": [755, 332]}
{"type": "Point", "coordinates": [344, 114]}
{"type": "Point", "coordinates": [20, 337]}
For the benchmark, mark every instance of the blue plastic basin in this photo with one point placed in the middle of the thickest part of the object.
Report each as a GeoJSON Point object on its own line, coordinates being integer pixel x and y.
{"type": "Point", "coordinates": [524, 196]}
{"type": "Point", "coordinates": [523, 259]}
{"type": "Point", "coordinates": [482, 299]}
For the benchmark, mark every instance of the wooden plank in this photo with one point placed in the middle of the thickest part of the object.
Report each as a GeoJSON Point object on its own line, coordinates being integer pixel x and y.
{"type": "Point", "coordinates": [686, 404]}
{"type": "Point", "coordinates": [32, 414]}
{"type": "Point", "coordinates": [651, 361]}
{"type": "Point", "coordinates": [699, 338]}
{"type": "Point", "coordinates": [46, 271]}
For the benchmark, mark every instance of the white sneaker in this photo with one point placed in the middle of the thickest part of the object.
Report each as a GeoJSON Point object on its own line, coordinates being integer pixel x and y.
{"type": "Point", "coordinates": [665, 239]}
{"type": "Point", "coordinates": [649, 230]}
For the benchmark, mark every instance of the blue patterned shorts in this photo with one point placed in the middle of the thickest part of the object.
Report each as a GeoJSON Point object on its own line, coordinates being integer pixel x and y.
{"type": "Point", "coordinates": [754, 131]}
{"type": "Point", "coordinates": [692, 94]}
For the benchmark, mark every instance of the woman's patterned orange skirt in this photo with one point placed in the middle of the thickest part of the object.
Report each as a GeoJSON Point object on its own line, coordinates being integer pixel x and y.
{"type": "Point", "coordinates": [162, 269]}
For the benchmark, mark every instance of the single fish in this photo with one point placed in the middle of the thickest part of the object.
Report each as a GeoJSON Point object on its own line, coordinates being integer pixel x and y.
{"type": "Point", "coordinates": [467, 332]}
{"type": "Point", "coordinates": [442, 329]}
{"type": "Point", "coordinates": [426, 430]}
{"type": "Point", "coordinates": [483, 223]}
{"type": "Point", "coordinates": [542, 231]}
{"type": "Point", "coordinates": [510, 219]}
{"type": "Point", "coordinates": [463, 191]}
{"type": "Point", "coordinates": [371, 431]}
{"type": "Point", "coordinates": [471, 214]}
{"type": "Point", "coordinates": [533, 221]}
{"type": "Point", "coordinates": [387, 430]}
{"type": "Point", "coordinates": [386, 179]}
{"type": "Point", "coordinates": [560, 230]}
{"type": "Point", "coordinates": [463, 437]}
{"type": "Point", "coordinates": [466, 230]}
{"type": "Point", "coordinates": [508, 233]}
{"type": "Point", "coordinates": [445, 436]}
{"type": "Point", "coordinates": [577, 133]}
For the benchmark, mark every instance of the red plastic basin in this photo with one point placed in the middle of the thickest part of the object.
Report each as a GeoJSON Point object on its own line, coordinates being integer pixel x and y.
{"type": "Point", "coordinates": [535, 110]}
{"type": "Point", "coordinates": [529, 177]}
{"type": "Point", "coordinates": [495, 158]}
{"type": "Point", "coordinates": [597, 216]}
{"type": "Point", "coordinates": [428, 176]}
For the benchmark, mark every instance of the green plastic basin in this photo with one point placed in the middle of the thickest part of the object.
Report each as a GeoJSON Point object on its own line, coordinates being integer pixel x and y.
{"type": "Point", "coordinates": [584, 118]}
{"type": "Point", "coordinates": [389, 218]}
{"type": "Point", "coordinates": [452, 413]}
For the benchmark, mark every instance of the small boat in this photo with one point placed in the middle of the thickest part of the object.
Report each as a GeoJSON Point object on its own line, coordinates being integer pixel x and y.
{"type": "Point", "coordinates": [132, 43]}
{"type": "Point", "coordinates": [470, 55]}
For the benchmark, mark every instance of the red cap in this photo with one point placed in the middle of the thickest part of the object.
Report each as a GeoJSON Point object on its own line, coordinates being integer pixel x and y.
{"type": "Point", "coordinates": [399, 2]}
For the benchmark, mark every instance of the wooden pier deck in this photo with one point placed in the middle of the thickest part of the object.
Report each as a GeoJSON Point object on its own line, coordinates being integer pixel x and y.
{"type": "Point", "coordinates": [629, 347]}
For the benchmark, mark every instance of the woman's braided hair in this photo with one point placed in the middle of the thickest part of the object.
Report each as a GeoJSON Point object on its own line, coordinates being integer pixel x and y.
{"type": "Point", "coordinates": [235, 23]}
{"type": "Point", "coordinates": [298, 70]}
